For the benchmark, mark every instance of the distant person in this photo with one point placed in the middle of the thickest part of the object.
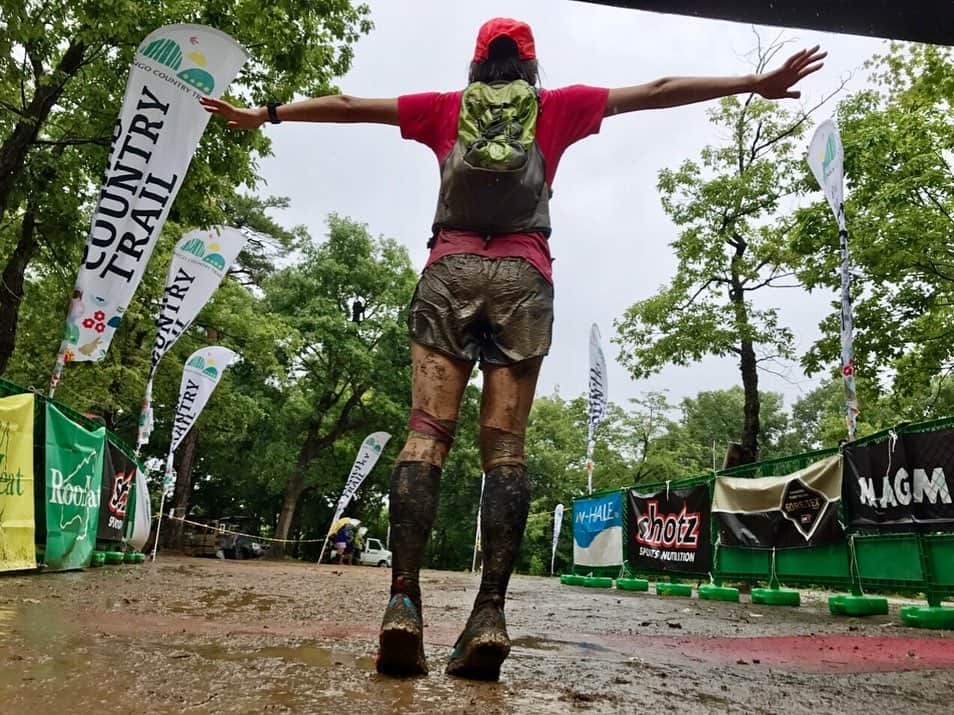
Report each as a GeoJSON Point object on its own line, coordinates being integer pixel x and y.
{"type": "Point", "coordinates": [343, 539]}
{"type": "Point", "coordinates": [486, 294]}
{"type": "Point", "coordinates": [357, 546]}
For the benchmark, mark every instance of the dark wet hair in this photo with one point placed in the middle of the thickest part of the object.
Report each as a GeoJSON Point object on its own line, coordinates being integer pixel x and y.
{"type": "Point", "coordinates": [503, 64]}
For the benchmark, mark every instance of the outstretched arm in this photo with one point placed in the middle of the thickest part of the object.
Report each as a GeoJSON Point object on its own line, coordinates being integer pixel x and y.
{"type": "Point", "coordinates": [676, 91]}
{"type": "Point", "coordinates": [336, 108]}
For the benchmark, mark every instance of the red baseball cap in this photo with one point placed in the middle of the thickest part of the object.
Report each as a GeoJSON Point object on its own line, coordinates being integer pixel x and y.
{"type": "Point", "coordinates": [517, 31]}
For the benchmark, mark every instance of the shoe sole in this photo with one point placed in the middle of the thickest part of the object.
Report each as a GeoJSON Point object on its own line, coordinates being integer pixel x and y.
{"type": "Point", "coordinates": [398, 654]}
{"type": "Point", "coordinates": [481, 661]}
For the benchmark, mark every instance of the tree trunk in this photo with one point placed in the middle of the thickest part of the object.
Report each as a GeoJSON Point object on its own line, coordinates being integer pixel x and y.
{"type": "Point", "coordinates": [748, 365]}
{"type": "Point", "coordinates": [293, 491]}
{"type": "Point", "coordinates": [11, 287]}
{"type": "Point", "coordinates": [310, 449]}
{"type": "Point", "coordinates": [173, 535]}
{"type": "Point", "coordinates": [15, 147]}
{"type": "Point", "coordinates": [751, 427]}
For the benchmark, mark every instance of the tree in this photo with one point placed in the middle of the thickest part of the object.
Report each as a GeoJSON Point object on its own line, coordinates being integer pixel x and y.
{"type": "Point", "coordinates": [343, 377]}
{"type": "Point", "coordinates": [713, 419]}
{"type": "Point", "coordinates": [63, 67]}
{"type": "Point", "coordinates": [898, 139]}
{"type": "Point", "coordinates": [729, 248]}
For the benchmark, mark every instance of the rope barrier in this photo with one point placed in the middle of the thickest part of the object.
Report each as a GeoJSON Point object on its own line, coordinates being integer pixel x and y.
{"type": "Point", "coordinates": [223, 530]}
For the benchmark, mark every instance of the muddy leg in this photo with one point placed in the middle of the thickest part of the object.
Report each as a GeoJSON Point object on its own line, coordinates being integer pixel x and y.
{"type": "Point", "coordinates": [508, 394]}
{"type": "Point", "coordinates": [438, 383]}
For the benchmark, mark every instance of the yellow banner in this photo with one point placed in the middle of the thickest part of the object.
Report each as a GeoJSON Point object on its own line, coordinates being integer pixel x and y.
{"type": "Point", "coordinates": [17, 526]}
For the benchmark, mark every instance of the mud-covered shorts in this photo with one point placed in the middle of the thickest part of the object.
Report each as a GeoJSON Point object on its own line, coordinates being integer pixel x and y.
{"type": "Point", "coordinates": [496, 310]}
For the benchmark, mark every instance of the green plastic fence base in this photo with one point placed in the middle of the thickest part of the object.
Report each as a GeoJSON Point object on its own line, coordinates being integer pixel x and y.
{"type": "Point", "coordinates": [632, 584]}
{"type": "Point", "coordinates": [129, 558]}
{"type": "Point", "coordinates": [598, 582]}
{"type": "Point", "coordinates": [114, 557]}
{"type": "Point", "coordinates": [776, 597]}
{"type": "Point", "coordinates": [936, 617]}
{"type": "Point", "coordinates": [841, 605]}
{"type": "Point", "coordinates": [673, 589]}
{"type": "Point", "coordinates": [99, 558]}
{"type": "Point", "coordinates": [140, 558]}
{"type": "Point", "coordinates": [570, 579]}
{"type": "Point", "coordinates": [719, 593]}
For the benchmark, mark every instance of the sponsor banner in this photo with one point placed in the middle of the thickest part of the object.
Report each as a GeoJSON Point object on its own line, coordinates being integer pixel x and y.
{"type": "Point", "coordinates": [154, 138]}
{"type": "Point", "coordinates": [140, 514]}
{"type": "Point", "coordinates": [74, 474]}
{"type": "Point", "coordinates": [598, 531]}
{"type": "Point", "coordinates": [904, 482]}
{"type": "Point", "coordinates": [669, 530]}
{"type": "Point", "coordinates": [201, 374]}
{"type": "Point", "coordinates": [199, 263]}
{"type": "Point", "coordinates": [119, 471]}
{"type": "Point", "coordinates": [796, 510]}
{"type": "Point", "coordinates": [17, 511]}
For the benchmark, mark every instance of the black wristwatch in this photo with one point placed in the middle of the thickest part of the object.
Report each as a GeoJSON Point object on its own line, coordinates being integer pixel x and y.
{"type": "Point", "coordinates": [272, 113]}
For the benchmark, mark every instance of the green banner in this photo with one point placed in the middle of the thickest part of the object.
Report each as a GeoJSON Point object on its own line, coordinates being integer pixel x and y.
{"type": "Point", "coordinates": [17, 550]}
{"type": "Point", "coordinates": [74, 473]}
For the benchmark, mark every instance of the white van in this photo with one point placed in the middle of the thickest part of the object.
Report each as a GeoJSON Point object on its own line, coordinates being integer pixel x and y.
{"type": "Point", "coordinates": [375, 554]}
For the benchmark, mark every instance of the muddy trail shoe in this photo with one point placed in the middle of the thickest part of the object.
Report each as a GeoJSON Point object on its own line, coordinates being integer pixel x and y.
{"type": "Point", "coordinates": [484, 644]}
{"type": "Point", "coordinates": [401, 650]}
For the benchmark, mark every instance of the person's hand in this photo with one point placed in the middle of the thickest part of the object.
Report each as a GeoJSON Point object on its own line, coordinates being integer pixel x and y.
{"type": "Point", "coordinates": [237, 117]}
{"type": "Point", "coordinates": [777, 83]}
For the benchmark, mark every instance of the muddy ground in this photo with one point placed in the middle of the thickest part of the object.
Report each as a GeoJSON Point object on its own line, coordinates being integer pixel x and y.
{"type": "Point", "coordinates": [205, 636]}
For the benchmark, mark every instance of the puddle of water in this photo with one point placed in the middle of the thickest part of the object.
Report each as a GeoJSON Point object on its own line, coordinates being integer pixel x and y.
{"type": "Point", "coordinates": [307, 655]}
{"type": "Point", "coordinates": [534, 642]}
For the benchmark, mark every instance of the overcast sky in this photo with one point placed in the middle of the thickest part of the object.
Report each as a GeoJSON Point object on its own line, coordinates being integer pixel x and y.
{"type": "Point", "coordinates": [611, 237]}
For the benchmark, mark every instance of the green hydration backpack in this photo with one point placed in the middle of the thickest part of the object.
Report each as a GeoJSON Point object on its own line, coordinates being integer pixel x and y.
{"type": "Point", "coordinates": [494, 179]}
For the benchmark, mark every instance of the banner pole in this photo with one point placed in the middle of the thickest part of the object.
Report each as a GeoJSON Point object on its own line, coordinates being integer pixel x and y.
{"type": "Point", "coordinates": [589, 465]}
{"type": "Point", "coordinates": [334, 520]}
{"type": "Point", "coordinates": [167, 482]}
{"type": "Point", "coordinates": [847, 347]}
{"type": "Point", "coordinates": [473, 562]}
{"type": "Point", "coordinates": [57, 370]}
{"type": "Point", "coordinates": [162, 503]}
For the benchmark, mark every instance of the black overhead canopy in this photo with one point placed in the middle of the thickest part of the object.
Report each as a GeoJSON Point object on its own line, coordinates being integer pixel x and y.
{"type": "Point", "coordinates": [918, 20]}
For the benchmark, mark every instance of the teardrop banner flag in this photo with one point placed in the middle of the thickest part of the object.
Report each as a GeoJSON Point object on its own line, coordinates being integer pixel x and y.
{"type": "Point", "coordinates": [154, 138]}
{"type": "Point", "coordinates": [74, 474]}
{"type": "Point", "coordinates": [200, 376]}
{"type": "Point", "coordinates": [139, 523]}
{"type": "Point", "coordinates": [364, 462]}
{"type": "Point", "coordinates": [17, 510]}
{"type": "Point", "coordinates": [597, 399]}
{"type": "Point", "coordinates": [557, 525]}
{"type": "Point", "coordinates": [826, 157]}
{"type": "Point", "coordinates": [199, 263]}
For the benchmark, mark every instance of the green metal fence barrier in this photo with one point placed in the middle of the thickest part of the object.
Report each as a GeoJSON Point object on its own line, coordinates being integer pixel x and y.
{"type": "Point", "coordinates": [913, 563]}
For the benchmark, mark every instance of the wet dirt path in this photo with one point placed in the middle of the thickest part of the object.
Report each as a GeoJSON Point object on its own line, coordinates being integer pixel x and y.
{"type": "Point", "coordinates": [206, 636]}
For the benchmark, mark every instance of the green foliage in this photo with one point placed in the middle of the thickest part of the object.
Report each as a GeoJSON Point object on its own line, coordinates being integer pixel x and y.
{"type": "Point", "coordinates": [536, 566]}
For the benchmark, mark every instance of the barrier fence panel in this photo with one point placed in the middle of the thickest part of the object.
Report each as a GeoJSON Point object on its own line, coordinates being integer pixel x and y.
{"type": "Point", "coordinates": [66, 488]}
{"type": "Point", "coordinates": [904, 543]}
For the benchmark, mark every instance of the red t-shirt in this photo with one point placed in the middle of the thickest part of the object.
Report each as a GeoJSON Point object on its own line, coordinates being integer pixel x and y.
{"type": "Point", "coordinates": [566, 116]}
